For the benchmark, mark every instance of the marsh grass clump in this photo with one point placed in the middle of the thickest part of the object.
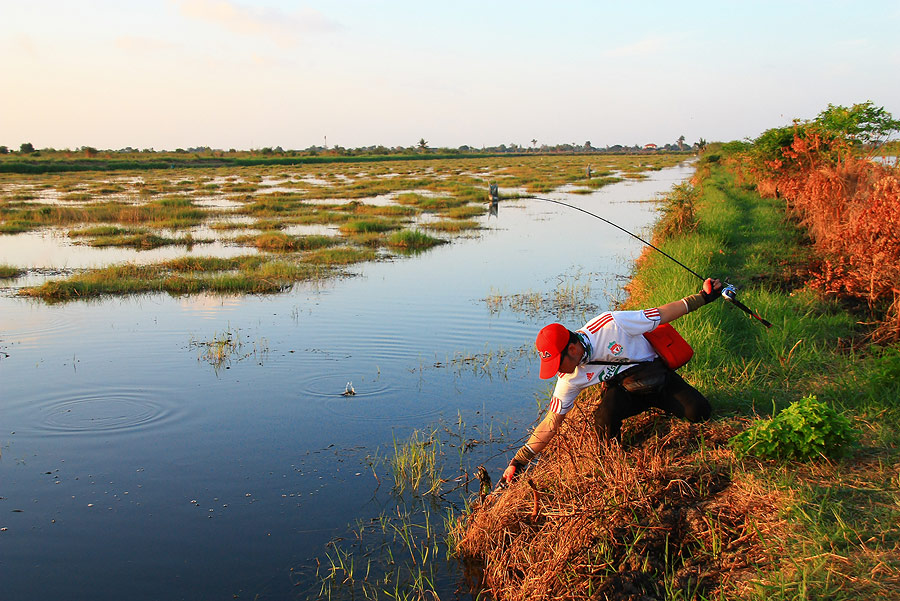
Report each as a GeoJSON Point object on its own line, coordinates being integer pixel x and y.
{"type": "Point", "coordinates": [227, 346]}
{"type": "Point", "coordinates": [466, 211]}
{"type": "Point", "coordinates": [279, 242]}
{"type": "Point", "coordinates": [102, 230]}
{"type": "Point", "coordinates": [367, 226]}
{"type": "Point", "coordinates": [76, 197]}
{"type": "Point", "coordinates": [413, 240]}
{"type": "Point", "coordinates": [397, 555]}
{"type": "Point", "coordinates": [452, 225]}
{"type": "Point", "coordinates": [137, 238]}
{"type": "Point", "coordinates": [596, 183]}
{"type": "Point", "coordinates": [570, 298]}
{"type": "Point", "coordinates": [415, 463]}
{"type": "Point", "coordinates": [143, 241]}
{"type": "Point", "coordinates": [186, 275]}
{"type": "Point", "coordinates": [218, 351]}
{"type": "Point", "coordinates": [9, 272]}
{"type": "Point", "coordinates": [18, 226]}
{"type": "Point", "coordinates": [343, 255]}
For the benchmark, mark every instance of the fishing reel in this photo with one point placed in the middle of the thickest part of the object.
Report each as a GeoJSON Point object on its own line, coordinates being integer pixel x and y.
{"type": "Point", "coordinates": [729, 292]}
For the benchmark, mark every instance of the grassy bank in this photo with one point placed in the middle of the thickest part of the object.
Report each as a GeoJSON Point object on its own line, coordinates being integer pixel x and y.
{"type": "Point", "coordinates": [672, 512]}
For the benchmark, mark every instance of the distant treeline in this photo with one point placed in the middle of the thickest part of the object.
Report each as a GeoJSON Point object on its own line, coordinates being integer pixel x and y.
{"type": "Point", "coordinates": [84, 164]}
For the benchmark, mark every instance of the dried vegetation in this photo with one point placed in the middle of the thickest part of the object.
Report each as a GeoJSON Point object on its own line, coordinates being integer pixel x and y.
{"type": "Point", "coordinates": [664, 515]}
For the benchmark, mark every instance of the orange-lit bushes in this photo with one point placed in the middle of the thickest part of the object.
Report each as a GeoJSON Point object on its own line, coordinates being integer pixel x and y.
{"type": "Point", "coordinates": [851, 208]}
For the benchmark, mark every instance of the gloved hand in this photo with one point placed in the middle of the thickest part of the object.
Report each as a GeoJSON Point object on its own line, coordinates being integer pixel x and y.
{"type": "Point", "coordinates": [512, 471]}
{"type": "Point", "coordinates": [711, 290]}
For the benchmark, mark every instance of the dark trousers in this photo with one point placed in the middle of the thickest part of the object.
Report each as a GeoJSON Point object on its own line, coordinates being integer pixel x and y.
{"type": "Point", "coordinates": [675, 397]}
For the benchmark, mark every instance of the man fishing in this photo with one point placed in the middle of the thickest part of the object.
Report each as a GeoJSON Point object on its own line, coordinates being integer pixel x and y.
{"type": "Point", "coordinates": [611, 349]}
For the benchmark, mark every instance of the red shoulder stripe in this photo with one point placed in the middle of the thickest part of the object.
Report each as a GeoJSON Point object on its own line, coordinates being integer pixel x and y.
{"type": "Point", "coordinates": [594, 326]}
{"type": "Point", "coordinates": [652, 314]}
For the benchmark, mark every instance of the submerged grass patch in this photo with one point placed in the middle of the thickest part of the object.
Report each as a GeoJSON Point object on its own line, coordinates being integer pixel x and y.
{"type": "Point", "coordinates": [279, 242]}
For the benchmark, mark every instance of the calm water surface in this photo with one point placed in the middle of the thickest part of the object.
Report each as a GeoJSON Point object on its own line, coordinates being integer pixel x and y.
{"type": "Point", "coordinates": [131, 467]}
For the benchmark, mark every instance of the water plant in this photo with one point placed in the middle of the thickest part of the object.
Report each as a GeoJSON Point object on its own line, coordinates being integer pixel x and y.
{"type": "Point", "coordinates": [227, 346]}
{"type": "Point", "coordinates": [415, 463]}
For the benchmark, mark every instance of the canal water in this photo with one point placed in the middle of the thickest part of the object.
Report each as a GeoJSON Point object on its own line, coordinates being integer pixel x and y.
{"type": "Point", "coordinates": [136, 462]}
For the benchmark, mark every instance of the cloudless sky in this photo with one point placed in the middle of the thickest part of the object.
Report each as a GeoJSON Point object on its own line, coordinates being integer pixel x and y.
{"type": "Point", "coordinates": [249, 74]}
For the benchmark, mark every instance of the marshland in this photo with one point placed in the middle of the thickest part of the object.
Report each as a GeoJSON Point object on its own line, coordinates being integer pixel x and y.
{"type": "Point", "coordinates": [176, 342]}
{"type": "Point", "coordinates": [241, 414]}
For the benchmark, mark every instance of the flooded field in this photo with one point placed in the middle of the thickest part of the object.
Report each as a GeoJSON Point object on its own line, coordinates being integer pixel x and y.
{"type": "Point", "coordinates": [202, 446]}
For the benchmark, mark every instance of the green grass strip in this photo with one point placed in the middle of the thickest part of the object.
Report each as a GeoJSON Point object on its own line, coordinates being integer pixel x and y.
{"type": "Point", "coordinates": [845, 514]}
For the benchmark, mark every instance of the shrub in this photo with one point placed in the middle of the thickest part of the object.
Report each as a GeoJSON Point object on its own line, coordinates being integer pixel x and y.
{"type": "Point", "coordinates": [677, 211]}
{"type": "Point", "coordinates": [803, 430]}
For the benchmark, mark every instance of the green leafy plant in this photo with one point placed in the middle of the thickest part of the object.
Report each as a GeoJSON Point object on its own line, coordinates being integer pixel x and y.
{"type": "Point", "coordinates": [804, 429]}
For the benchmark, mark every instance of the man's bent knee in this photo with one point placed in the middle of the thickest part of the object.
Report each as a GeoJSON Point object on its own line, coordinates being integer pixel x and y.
{"type": "Point", "coordinates": [698, 412]}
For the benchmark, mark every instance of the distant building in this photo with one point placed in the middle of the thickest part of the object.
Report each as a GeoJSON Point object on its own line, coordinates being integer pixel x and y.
{"type": "Point", "coordinates": [650, 146]}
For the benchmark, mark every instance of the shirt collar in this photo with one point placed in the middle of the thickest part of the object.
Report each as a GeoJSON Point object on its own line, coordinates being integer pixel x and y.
{"type": "Point", "coordinates": [588, 348]}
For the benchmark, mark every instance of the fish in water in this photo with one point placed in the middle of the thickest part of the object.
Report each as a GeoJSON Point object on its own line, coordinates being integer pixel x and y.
{"type": "Point", "coordinates": [349, 391]}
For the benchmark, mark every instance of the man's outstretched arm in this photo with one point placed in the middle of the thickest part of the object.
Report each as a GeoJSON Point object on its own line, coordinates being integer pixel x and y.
{"type": "Point", "coordinates": [538, 440]}
{"type": "Point", "coordinates": [711, 290]}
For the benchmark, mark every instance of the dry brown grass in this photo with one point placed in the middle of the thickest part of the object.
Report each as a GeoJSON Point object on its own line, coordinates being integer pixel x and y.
{"type": "Point", "coordinates": [663, 515]}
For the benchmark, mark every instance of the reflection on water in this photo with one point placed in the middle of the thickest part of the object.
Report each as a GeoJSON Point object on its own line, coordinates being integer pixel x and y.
{"type": "Point", "coordinates": [141, 469]}
{"type": "Point", "coordinates": [53, 249]}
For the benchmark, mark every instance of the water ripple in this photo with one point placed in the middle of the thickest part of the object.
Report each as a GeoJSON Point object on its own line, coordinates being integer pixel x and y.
{"type": "Point", "coordinates": [104, 411]}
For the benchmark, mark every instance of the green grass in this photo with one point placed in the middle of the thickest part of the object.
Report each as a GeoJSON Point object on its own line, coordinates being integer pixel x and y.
{"type": "Point", "coordinates": [845, 513]}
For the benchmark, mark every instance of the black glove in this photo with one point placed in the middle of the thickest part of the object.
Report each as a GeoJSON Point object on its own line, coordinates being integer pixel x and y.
{"type": "Point", "coordinates": [711, 290]}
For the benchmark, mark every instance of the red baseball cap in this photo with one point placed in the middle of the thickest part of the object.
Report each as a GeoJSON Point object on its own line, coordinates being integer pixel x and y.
{"type": "Point", "coordinates": [551, 342]}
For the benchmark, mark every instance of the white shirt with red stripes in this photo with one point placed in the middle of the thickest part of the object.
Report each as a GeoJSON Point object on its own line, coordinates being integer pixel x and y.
{"type": "Point", "coordinates": [612, 336]}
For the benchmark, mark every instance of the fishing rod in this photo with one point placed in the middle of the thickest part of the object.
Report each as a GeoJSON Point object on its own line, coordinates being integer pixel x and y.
{"type": "Point", "coordinates": [729, 292]}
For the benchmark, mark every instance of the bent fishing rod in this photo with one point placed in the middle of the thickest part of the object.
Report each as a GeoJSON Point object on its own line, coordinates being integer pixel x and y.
{"type": "Point", "coordinates": [729, 292]}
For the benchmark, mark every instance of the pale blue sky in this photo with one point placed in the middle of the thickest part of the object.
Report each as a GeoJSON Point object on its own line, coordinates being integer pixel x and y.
{"type": "Point", "coordinates": [248, 74]}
